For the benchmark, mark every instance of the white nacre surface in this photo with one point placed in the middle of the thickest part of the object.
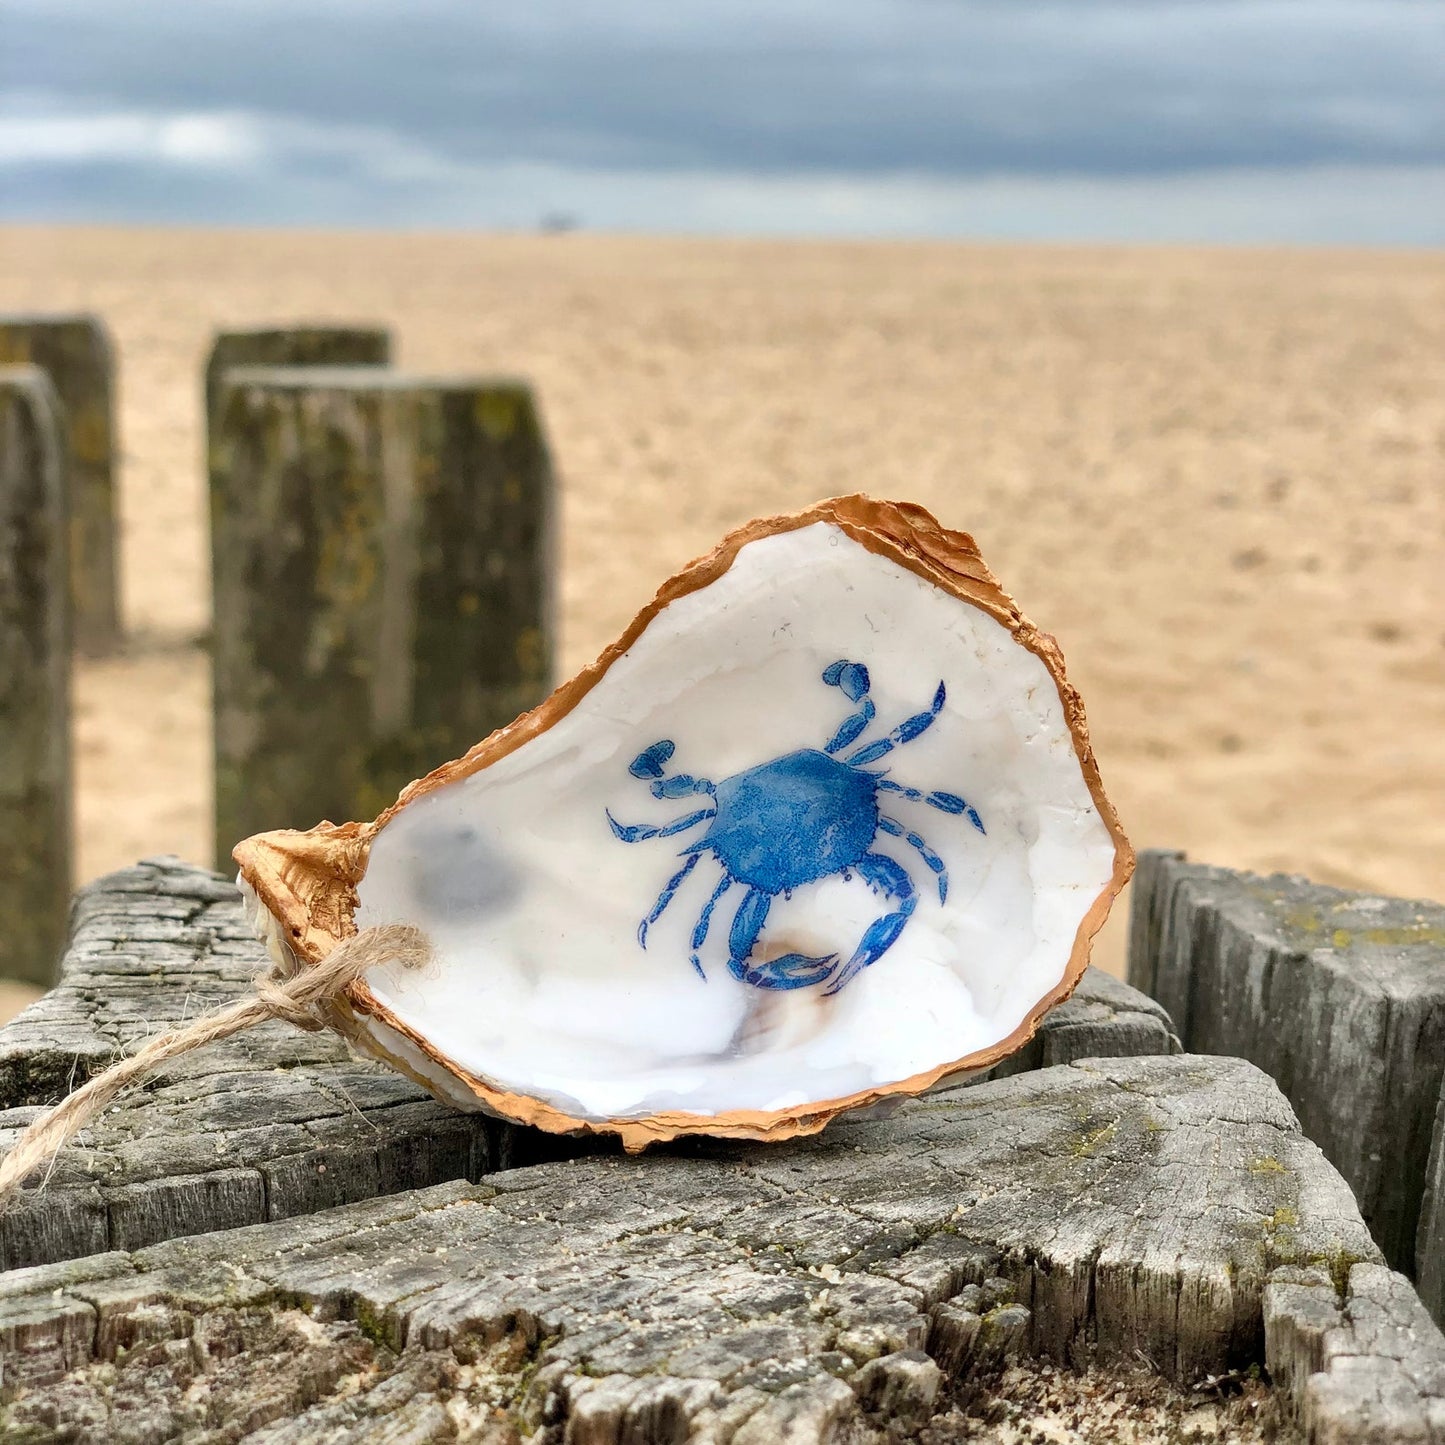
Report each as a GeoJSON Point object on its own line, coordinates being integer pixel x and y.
{"type": "Point", "coordinates": [540, 985]}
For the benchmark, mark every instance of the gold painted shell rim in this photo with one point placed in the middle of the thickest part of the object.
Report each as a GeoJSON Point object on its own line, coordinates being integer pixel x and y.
{"type": "Point", "coordinates": [308, 879]}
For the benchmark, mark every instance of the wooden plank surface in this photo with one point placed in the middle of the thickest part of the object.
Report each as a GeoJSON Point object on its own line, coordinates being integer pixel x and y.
{"type": "Point", "coordinates": [266, 1125]}
{"type": "Point", "coordinates": [1159, 1209]}
{"type": "Point", "coordinates": [1363, 1365]}
{"type": "Point", "coordinates": [276, 1123]}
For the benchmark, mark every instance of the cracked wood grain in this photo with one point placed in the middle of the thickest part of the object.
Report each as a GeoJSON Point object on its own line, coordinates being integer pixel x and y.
{"type": "Point", "coordinates": [269, 1124]}
{"type": "Point", "coordinates": [1090, 1213]}
{"type": "Point", "coordinates": [1430, 1238]}
{"type": "Point", "coordinates": [1365, 1367]}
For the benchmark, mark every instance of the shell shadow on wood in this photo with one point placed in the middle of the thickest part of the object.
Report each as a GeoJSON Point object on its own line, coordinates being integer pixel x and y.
{"type": "Point", "coordinates": [822, 827]}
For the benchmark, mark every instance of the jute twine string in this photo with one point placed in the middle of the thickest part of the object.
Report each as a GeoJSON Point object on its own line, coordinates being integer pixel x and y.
{"type": "Point", "coordinates": [296, 999]}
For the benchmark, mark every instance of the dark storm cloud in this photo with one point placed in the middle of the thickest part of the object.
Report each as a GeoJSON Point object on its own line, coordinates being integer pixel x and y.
{"type": "Point", "coordinates": [937, 88]}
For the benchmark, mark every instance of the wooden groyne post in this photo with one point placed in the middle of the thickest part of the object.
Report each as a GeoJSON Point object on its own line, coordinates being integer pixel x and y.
{"type": "Point", "coordinates": [34, 678]}
{"type": "Point", "coordinates": [1340, 996]}
{"type": "Point", "coordinates": [75, 352]}
{"type": "Point", "coordinates": [383, 579]}
{"type": "Point", "coordinates": [316, 345]}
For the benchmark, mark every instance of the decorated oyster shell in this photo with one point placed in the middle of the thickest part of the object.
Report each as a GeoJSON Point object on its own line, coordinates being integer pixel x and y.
{"type": "Point", "coordinates": [823, 826]}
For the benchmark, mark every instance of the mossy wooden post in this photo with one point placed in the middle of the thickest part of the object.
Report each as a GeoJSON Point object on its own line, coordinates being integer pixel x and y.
{"type": "Point", "coordinates": [382, 549]}
{"type": "Point", "coordinates": [293, 346]}
{"type": "Point", "coordinates": [34, 678]}
{"type": "Point", "coordinates": [76, 353]}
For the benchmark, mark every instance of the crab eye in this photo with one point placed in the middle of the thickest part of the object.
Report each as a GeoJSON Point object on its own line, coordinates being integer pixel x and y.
{"type": "Point", "coordinates": [648, 763]}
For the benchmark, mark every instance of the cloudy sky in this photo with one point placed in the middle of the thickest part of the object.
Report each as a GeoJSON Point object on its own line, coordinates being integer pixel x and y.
{"type": "Point", "coordinates": [1232, 120]}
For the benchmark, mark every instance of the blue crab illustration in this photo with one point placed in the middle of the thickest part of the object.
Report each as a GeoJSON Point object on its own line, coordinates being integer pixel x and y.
{"type": "Point", "coordinates": [800, 818]}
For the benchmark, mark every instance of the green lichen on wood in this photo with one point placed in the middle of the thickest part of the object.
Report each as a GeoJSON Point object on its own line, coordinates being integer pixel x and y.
{"type": "Point", "coordinates": [1096, 1139]}
{"type": "Point", "coordinates": [1268, 1164]}
{"type": "Point", "coordinates": [1412, 935]}
{"type": "Point", "coordinates": [1311, 923]}
{"type": "Point", "coordinates": [1337, 1263]}
{"type": "Point", "coordinates": [1283, 1231]}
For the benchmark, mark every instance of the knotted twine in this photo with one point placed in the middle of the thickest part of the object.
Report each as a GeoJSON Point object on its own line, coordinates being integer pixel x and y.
{"type": "Point", "coordinates": [294, 998]}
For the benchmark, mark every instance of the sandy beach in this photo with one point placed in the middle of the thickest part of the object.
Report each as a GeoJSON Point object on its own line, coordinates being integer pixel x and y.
{"type": "Point", "coordinates": [1217, 476]}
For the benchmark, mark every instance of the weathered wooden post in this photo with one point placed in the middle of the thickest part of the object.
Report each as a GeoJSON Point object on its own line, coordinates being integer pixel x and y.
{"type": "Point", "coordinates": [277, 1233]}
{"type": "Point", "coordinates": [34, 678]}
{"type": "Point", "coordinates": [1430, 1238]}
{"type": "Point", "coordinates": [76, 353]}
{"type": "Point", "coordinates": [1340, 996]}
{"type": "Point", "coordinates": [383, 584]}
{"type": "Point", "coordinates": [292, 346]}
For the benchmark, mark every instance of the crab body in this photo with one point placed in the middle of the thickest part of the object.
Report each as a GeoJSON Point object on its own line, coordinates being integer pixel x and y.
{"type": "Point", "coordinates": [800, 818]}
{"type": "Point", "coordinates": [792, 821]}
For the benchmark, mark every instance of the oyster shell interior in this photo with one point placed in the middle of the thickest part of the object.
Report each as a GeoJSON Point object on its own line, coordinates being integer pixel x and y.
{"type": "Point", "coordinates": [824, 830]}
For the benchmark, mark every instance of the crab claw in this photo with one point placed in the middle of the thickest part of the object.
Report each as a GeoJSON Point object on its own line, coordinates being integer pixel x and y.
{"type": "Point", "coordinates": [882, 873]}
{"type": "Point", "coordinates": [792, 970]}
{"type": "Point", "coordinates": [851, 677]}
{"type": "Point", "coordinates": [648, 763]}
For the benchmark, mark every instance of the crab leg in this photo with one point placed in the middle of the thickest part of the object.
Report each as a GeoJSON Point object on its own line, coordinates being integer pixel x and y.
{"type": "Point", "coordinates": [851, 678]}
{"type": "Point", "coordinates": [944, 802]}
{"type": "Point", "coordinates": [704, 920]}
{"type": "Point", "coordinates": [641, 832]}
{"type": "Point", "coordinates": [887, 876]}
{"type": "Point", "coordinates": [665, 897]}
{"type": "Point", "coordinates": [680, 785]}
{"type": "Point", "coordinates": [792, 970]}
{"type": "Point", "coordinates": [905, 732]}
{"type": "Point", "coordinates": [893, 826]}
{"type": "Point", "coordinates": [852, 727]}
